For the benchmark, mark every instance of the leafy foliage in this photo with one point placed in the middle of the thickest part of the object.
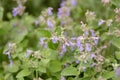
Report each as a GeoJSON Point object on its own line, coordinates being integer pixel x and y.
{"type": "Point", "coordinates": [59, 40]}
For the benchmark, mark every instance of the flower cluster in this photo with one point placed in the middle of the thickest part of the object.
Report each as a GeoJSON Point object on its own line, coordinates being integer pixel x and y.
{"type": "Point", "coordinates": [117, 17]}
{"type": "Point", "coordinates": [107, 22]}
{"type": "Point", "coordinates": [19, 10]}
{"type": "Point", "coordinates": [90, 15]}
{"type": "Point", "coordinates": [46, 18]}
{"type": "Point", "coordinates": [65, 42]}
{"type": "Point", "coordinates": [105, 1]}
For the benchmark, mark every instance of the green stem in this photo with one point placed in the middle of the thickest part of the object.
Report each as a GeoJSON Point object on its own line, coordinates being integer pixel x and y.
{"type": "Point", "coordinates": [36, 74]}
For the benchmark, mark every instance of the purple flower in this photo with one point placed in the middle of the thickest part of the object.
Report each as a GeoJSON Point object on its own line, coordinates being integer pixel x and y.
{"type": "Point", "coordinates": [63, 12]}
{"type": "Point", "coordinates": [87, 47]}
{"type": "Point", "coordinates": [50, 23]}
{"type": "Point", "coordinates": [93, 33]}
{"type": "Point", "coordinates": [93, 64]}
{"type": "Point", "coordinates": [45, 45]}
{"type": "Point", "coordinates": [79, 45]}
{"type": "Point", "coordinates": [72, 46]}
{"type": "Point", "coordinates": [81, 48]}
{"type": "Point", "coordinates": [73, 2]}
{"type": "Point", "coordinates": [86, 32]}
{"type": "Point", "coordinates": [42, 41]}
{"type": "Point", "coordinates": [15, 12]}
{"type": "Point", "coordinates": [28, 53]}
{"type": "Point", "coordinates": [96, 41]}
{"type": "Point", "coordinates": [55, 39]}
{"type": "Point", "coordinates": [101, 22]}
{"type": "Point", "coordinates": [36, 22]}
{"type": "Point", "coordinates": [64, 48]}
{"type": "Point", "coordinates": [18, 10]}
{"type": "Point", "coordinates": [50, 11]}
{"type": "Point", "coordinates": [92, 56]}
{"type": "Point", "coordinates": [77, 61]}
{"type": "Point", "coordinates": [117, 72]}
{"type": "Point", "coordinates": [8, 54]}
{"type": "Point", "coordinates": [62, 4]}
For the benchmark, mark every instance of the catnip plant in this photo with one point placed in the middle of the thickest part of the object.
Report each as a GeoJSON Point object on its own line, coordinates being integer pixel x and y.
{"type": "Point", "coordinates": [80, 40]}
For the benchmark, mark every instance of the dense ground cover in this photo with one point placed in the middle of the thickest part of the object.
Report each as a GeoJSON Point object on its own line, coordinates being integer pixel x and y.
{"type": "Point", "coordinates": [59, 39]}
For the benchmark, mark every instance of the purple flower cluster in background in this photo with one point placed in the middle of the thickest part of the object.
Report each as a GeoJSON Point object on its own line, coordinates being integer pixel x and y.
{"type": "Point", "coordinates": [18, 10]}
{"type": "Point", "coordinates": [63, 12]}
{"type": "Point", "coordinates": [62, 3]}
{"type": "Point", "coordinates": [73, 2]}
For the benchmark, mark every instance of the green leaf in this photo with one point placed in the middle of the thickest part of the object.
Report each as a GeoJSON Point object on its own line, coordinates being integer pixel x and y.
{"type": "Point", "coordinates": [23, 73]}
{"type": "Point", "coordinates": [54, 66]}
{"type": "Point", "coordinates": [6, 77]}
{"type": "Point", "coordinates": [104, 36]}
{"type": "Point", "coordinates": [117, 54]}
{"type": "Point", "coordinates": [46, 53]}
{"type": "Point", "coordinates": [58, 30]}
{"type": "Point", "coordinates": [20, 78]}
{"type": "Point", "coordinates": [42, 65]}
{"type": "Point", "coordinates": [86, 78]}
{"type": "Point", "coordinates": [20, 36]}
{"type": "Point", "coordinates": [52, 45]}
{"type": "Point", "coordinates": [49, 79]}
{"type": "Point", "coordinates": [69, 71]}
{"type": "Point", "coordinates": [14, 68]}
{"type": "Point", "coordinates": [43, 33]}
{"type": "Point", "coordinates": [116, 42]}
{"type": "Point", "coordinates": [108, 74]}
{"type": "Point", "coordinates": [1, 13]}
